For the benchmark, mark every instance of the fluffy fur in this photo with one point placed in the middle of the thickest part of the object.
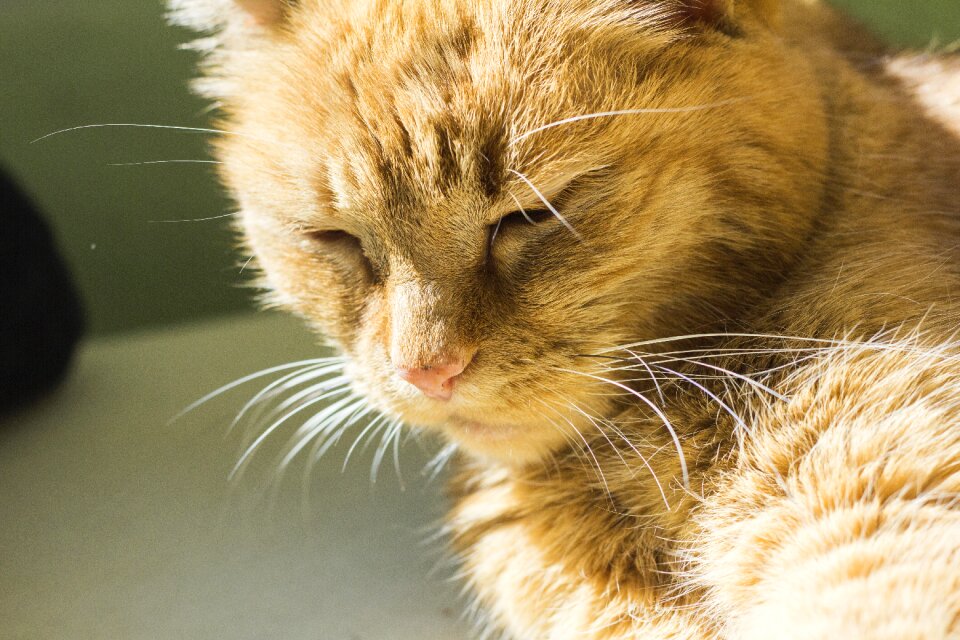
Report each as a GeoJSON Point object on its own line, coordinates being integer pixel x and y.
{"type": "Point", "coordinates": [714, 395]}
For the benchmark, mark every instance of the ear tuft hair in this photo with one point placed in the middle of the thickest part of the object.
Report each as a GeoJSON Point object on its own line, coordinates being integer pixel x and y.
{"type": "Point", "coordinates": [705, 11]}
{"type": "Point", "coordinates": [232, 29]}
{"type": "Point", "coordinates": [264, 12]}
{"type": "Point", "coordinates": [216, 15]}
{"type": "Point", "coordinates": [726, 13]}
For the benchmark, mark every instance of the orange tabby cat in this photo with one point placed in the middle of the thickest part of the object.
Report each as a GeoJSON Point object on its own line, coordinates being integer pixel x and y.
{"type": "Point", "coordinates": [677, 277]}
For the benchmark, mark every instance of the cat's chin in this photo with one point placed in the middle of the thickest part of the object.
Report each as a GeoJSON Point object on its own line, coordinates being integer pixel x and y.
{"type": "Point", "coordinates": [509, 443]}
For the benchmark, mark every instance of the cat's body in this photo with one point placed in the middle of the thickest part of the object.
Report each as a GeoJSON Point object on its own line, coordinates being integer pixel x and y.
{"type": "Point", "coordinates": [789, 465]}
{"type": "Point", "coordinates": [838, 518]}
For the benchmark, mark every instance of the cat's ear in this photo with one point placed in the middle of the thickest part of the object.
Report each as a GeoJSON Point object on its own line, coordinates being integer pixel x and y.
{"type": "Point", "coordinates": [216, 15]}
{"type": "Point", "coordinates": [232, 29]}
{"type": "Point", "coordinates": [725, 14]}
{"type": "Point", "coordinates": [264, 12]}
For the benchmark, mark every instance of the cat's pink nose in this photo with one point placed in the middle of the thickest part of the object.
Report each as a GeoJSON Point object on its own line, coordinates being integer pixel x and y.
{"type": "Point", "coordinates": [435, 380]}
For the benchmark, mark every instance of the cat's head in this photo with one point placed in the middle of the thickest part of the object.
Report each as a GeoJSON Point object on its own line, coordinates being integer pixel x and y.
{"type": "Point", "coordinates": [475, 198]}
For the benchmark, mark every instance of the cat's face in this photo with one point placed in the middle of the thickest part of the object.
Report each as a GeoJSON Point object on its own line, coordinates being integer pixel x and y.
{"type": "Point", "coordinates": [409, 181]}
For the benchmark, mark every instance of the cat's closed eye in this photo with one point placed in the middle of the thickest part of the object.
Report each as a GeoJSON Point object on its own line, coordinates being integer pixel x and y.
{"type": "Point", "coordinates": [331, 237]}
{"type": "Point", "coordinates": [336, 243]}
{"type": "Point", "coordinates": [508, 232]}
{"type": "Point", "coordinates": [527, 216]}
{"type": "Point", "coordinates": [518, 219]}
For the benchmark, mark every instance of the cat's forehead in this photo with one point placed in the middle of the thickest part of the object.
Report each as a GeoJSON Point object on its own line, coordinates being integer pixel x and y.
{"type": "Point", "coordinates": [409, 105]}
{"type": "Point", "coordinates": [467, 70]}
{"type": "Point", "coordinates": [417, 104]}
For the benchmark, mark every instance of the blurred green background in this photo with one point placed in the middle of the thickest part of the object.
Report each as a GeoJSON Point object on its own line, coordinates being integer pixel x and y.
{"type": "Point", "coordinates": [76, 62]}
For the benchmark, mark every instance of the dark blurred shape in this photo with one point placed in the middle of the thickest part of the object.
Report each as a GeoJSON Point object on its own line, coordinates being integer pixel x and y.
{"type": "Point", "coordinates": [41, 318]}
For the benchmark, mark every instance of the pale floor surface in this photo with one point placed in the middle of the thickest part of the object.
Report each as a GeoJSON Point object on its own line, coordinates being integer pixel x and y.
{"type": "Point", "coordinates": [117, 525]}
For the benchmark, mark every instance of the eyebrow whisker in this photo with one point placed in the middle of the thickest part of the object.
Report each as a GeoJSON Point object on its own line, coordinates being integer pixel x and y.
{"type": "Point", "coordinates": [621, 112]}
{"type": "Point", "coordinates": [548, 205]}
{"type": "Point", "coordinates": [523, 211]}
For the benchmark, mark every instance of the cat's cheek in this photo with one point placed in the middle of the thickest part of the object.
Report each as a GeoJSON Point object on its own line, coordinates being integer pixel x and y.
{"type": "Point", "coordinates": [335, 297]}
{"type": "Point", "coordinates": [329, 291]}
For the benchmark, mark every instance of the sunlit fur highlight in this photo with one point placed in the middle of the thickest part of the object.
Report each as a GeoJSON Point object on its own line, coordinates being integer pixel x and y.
{"type": "Point", "coordinates": [715, 395]}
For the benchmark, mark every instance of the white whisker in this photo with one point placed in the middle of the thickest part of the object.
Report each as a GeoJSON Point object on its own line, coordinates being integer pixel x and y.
{"type": "Point", "coordinates": [622, 112]}
{"type": "Point", "coordinates": [323, 388]}
{"type": "Point", "coordinates": [723, 405]}
{"type": "Point", "coordinates": [340, 414]}
{"type": "Point", "coordinates": [391, 433]}
{"type": "Point", "coordinates": [653, 377]}
{"type": "Point", "coordinates": [324, 437]}
{"type": "Point", "coordinates": [435, 466]}
{"type": "Point", "coordinates": [663, 417]}
{"type": "Point", "coordinates": [220, 217]}
{"type": "Point", "coordinates": [141, 126]}
{"type": "Point", "coordinates": [150, 162]}
{"type": "Point", "coordinates": [750, 381]}
{"type": "Point", "coordinates": [523, 211]}
{"type": "Point", "coordinates": [248, 378]}
{"type": "Point", "coordinates": [396, 459]}
{"type": "Point", "coordinates": [282, 385]}
{"type": "Point", "coordinates": [622, 436]}
{"type": "Point", "coordinates": [275, 425]}
{"type": "Point", "coordinates": [373, 428]}
{"type": "Point", "coordinates": [548, 205]}
{"type": "Point", "coordinates": [586, 444]}
{"type": "Point", "coordinates": [246, 264]}
{"type": "Point", "coordinates": [496, 230]}
{"type": "Point", "coordinates": [323, 445]}
{"type": "Point", "coordinates": [699, 336]}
